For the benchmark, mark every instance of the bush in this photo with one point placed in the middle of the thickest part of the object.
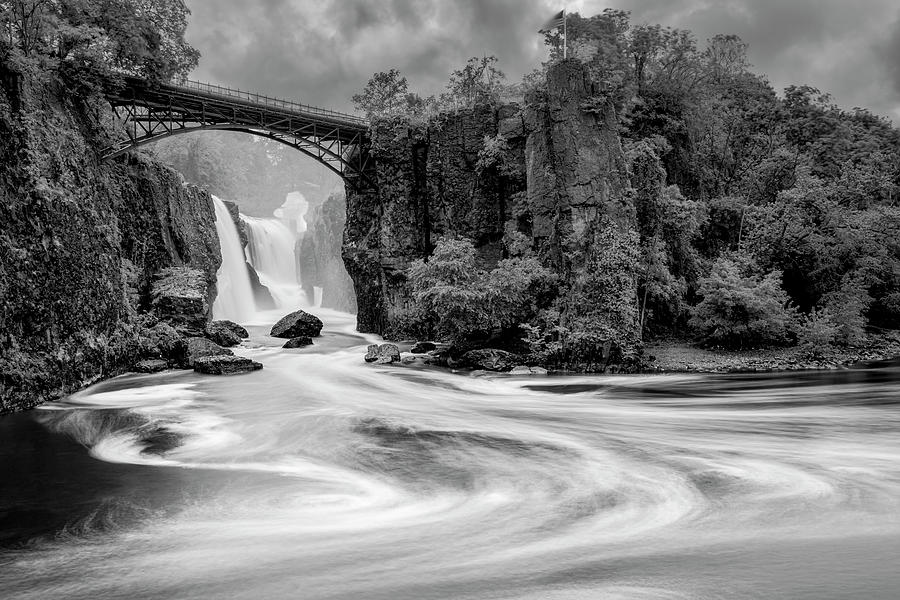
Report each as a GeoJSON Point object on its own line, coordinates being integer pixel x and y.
{"type": "Point", "coordinates": [848, 306]}
{"type": "Point", "coordinates": [457, 300]}
{"type": "Point", "coordinates": [741, 308]}
{"type": "Point", "coordinates": [816, 331]}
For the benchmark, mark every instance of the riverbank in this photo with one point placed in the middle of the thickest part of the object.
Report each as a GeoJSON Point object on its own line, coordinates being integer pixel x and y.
{"type": "Point", "coordinates": [681, 357]}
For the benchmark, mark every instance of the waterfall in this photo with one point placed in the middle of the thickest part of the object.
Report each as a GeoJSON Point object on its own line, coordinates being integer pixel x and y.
{"type": "Point", "coordinates": [235, 298]}
{"type": "Point", "coordinates": [271, 252]}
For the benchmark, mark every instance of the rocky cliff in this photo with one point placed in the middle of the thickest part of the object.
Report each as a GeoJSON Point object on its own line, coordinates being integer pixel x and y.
{"type": "Point", "coordinates": [81, 241]}
{"type": "Point", "coordinates": [551, 170]}
{"type": "Point", "coordinates": [318, 255]}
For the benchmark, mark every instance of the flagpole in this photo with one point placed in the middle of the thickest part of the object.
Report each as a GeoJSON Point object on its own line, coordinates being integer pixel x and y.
{"type": "Point", "coordinates": [565, 37]}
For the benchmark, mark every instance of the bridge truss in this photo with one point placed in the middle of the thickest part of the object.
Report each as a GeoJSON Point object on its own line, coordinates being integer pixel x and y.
{"type": "Point", "coordinates": [150, 112]}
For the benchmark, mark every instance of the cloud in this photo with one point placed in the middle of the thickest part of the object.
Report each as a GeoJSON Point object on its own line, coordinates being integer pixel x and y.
{"type": "Point", "coordinates": [321, 52]}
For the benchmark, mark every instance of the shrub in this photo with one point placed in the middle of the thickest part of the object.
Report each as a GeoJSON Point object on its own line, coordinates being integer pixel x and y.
{"type": "Point", "coordinates": [848, 306]}
{"type": "Point", "coordinates": [458, 300]}
{"type": "Point", "coordinates": [741, 308]}
{"type": "Point", "coordinates": [816, 331]}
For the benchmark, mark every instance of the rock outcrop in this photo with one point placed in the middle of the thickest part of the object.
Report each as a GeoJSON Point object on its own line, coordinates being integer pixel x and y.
{"type": "Point", "coordinates": [225, 333]}
{"type": "Point", "coordinates": [318, 255]}
{"type": "Point", "coordinates": [298, 342]}
{"type": "Point", "coordinates": [298, 323]}
{"type": "Point", "coordinates": [383, 354]}
{"type": "Point", "coordinates": [82, 241]}
{"type": "Point", "coordinates": [489, 359]}
{"type": "Point", "coordinates": [179, 297]}
{"type": "Point", "coordinates": [561, 183]}
{"type": "Point", "coordinates": [226, 365]}
{"type": "Point", "coordinates": [195, 349]}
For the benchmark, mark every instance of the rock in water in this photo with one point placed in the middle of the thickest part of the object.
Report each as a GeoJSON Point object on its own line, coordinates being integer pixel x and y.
{"type": "Point", "coordinates": [298, 342]}
{"type": "Point", "coordinates": [225, 333]}
{"type": "Point", "coordinates": [153, 365]}
{"type": "Point", "coordinates": [225, 365]}
{"type": "Point", "coordinates": [384, 354]}
{"type": "Point", "coordinates": [489, 359]}
{"type": "Point", "coordinates": [297, 324]}
{"type": "Point", "coordinates": [423, 347]}
{"type": "Point", "coordinates": [197, 348]}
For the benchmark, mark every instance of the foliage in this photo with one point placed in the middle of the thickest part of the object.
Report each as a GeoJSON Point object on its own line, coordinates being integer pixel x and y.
{"type": "Point", "coordinates": [459, 300]}
{"type": "Point", "coordinates": [849, 304]}
{"type": "Point", "coordinates": [385, 94]}
{"type": "Point", "coordinates": [816, 331]}
{"type": "Point", "coordinates": [600, 314]}
{"type": "Point", "coordinates": [494, 155]}
{"type": "Point", "coordinates": [100, 37]}
{"type": "Point", "coordinates": [479, 81]}
{"type": "Point", "coordinates": [741, 308]}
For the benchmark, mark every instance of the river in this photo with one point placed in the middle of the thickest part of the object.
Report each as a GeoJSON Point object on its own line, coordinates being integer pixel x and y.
{"type": "Point", "coordinates": [325, 477]}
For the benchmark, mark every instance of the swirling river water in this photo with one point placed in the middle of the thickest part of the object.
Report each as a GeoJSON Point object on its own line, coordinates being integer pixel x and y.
{"type": "Point", "coordinates": [322, 477]}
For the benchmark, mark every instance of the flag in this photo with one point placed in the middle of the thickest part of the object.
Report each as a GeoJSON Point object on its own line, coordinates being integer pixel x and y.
{"type": "Point", "coordinates": [555, 22]}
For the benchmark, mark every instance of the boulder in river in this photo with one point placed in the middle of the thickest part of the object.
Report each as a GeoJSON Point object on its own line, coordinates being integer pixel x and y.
{"type": "Point", "coordinates": [151, 365]}
{"type": "Point", "coordinates": [225, 365]}
{"type": "Point", "coordinates": [197, 348]}
{"type": "Point", "coordinates": [489, 359]}
{"type": "Point", "coordinates": [423, 347]}
{"type": "Point", "coordinates": [298, 323]}
{"type": "Point", "coordinates": [384, 354]}
{"type": "Point", "coordinates": [298, 342]}
{"type": "Point", "coordinates": [226, 333]}
{"type": "Point", "coordinates": [524, 370]}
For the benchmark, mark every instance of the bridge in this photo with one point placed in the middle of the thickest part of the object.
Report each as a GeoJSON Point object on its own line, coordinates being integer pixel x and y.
{"type": "Point", "coordinates": [152, 111]}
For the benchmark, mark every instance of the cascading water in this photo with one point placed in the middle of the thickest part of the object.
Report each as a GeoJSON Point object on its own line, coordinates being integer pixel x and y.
{"type": "Point", "coordinates": [234, 300]}
{"type": "Point", "coordinates": [271, 252]}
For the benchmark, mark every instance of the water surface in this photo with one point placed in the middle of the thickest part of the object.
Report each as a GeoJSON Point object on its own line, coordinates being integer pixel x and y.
{"type": "Point", "coordinates": [324, 477]}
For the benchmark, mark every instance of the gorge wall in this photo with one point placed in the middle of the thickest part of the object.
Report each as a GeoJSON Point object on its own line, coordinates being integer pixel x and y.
{"type": "Point", "coordinates": [560, 180]}
{"type": "Point", "coordinates": [81, 241]}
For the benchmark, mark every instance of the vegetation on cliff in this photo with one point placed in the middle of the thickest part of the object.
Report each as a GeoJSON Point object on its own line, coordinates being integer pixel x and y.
{"type": "Point", "coordinates": [747, 218]}
{"type": "Point", "coordinates": [82, 241]}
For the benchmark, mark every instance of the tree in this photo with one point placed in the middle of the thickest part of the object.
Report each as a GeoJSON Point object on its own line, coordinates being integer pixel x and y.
{"type": "Point", "coordinates": [386, 93]}
{"type": "Point", "coordinates": [478, 81]}
{"type": "Point", "coordinates": [740, 307]}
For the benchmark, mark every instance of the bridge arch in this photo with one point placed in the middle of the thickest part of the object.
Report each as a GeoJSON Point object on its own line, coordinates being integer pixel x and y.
{"type": "Point", "coordinates": [151, 112]}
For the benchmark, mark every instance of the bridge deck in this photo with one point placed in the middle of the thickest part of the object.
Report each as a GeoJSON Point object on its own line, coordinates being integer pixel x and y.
{"type": "Point", "coordinates": [151, 111]}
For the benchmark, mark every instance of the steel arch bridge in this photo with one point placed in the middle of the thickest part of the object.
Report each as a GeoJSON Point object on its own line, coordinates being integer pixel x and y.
{"type": "Point", "coordinates": [152, 111]}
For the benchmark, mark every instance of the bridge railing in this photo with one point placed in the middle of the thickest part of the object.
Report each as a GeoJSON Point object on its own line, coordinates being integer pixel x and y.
{"type": "Point", "coordinates": [211, 88]}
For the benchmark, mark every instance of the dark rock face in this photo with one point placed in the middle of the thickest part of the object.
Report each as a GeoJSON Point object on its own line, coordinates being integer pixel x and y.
{"type": "Point", "coordinates": [423, 347]}
{"type": "Point", "coordinates": [225, 333]}
{"type": "Point", "coordinates": [489, 359]}
{"type": "Point", "coordinates": [152, 365]}
{"type": "Point", "coordinates": [298, 342]}
{"type": "Point", "coordinates": [384, 354]}
{"type": "Point", "coordinates": [225, 365]}
{"type": "Point", "coordinates": [81, 241]}
{"type": "Point", "coordinates": [319, 255]}
{"type": "Point", "coordinates": [298, 323]}
{"type": "Point", "coordinates": [197, 348]}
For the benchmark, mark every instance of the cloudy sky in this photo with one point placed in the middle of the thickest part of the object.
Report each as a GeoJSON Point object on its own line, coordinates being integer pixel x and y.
{"type": "Point", "coordinates": [321, 51]}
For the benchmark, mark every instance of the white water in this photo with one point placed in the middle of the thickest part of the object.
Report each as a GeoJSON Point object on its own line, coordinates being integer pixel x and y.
{"type": "Point", "coordinates": [234, 300]}
{"type": "Point", "coordinates": [271, 252]}
{"type": "Point", "coordinates": [321, 477]}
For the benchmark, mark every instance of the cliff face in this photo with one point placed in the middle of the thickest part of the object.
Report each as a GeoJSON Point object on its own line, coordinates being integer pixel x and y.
{"type": "Point", "coordinates": [81, 241]}
{"type": "Point", "coordinates": [560, 179]}
{"type": "Point", "coordinates": [318, 255]}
